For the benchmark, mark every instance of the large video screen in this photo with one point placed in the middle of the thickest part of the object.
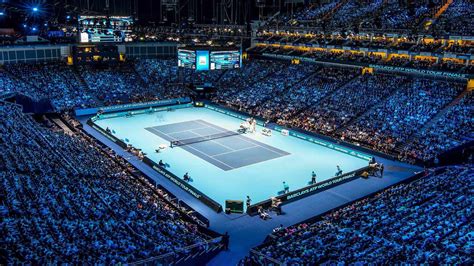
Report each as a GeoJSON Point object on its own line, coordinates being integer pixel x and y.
{"type": "Point", "coordinates": [209, 59]}
{"type": "Point", "coordinates": [187, 59]}
{"type": "Point", "coordinates": [97, 29]}
{"type": "Point", "coordinates": [224, 60]}
{"type": "Point", "coordinates": [202, 60]}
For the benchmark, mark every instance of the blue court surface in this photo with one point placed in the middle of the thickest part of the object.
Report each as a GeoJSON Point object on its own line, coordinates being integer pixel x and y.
{"type": "Point", "coordinates": [225, 149]}
{"type": "Point", "coordinates": [233, 165]}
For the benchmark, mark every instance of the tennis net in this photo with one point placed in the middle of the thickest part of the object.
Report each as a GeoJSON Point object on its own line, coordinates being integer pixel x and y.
{"type": "Point", "coordinates": [220, 135]}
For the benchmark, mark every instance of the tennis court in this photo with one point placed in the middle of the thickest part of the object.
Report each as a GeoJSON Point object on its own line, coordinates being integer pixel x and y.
{"type": "Point", "coordinates": [232, 166]}
{"type": "Point", "coordinates": [225, 149]}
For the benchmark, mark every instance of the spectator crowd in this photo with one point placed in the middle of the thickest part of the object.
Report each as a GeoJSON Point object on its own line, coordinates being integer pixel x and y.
{"type": "Point", "coordinates": [378, 111]}
{"type": "Point", "coordinates": [377, 15]}
{"type": "Point", "coordinates": [84, 86]}
{"type": "Point", "coordinates": [427, 221]}
{"type": "Point", "coordinates": [66, 200]}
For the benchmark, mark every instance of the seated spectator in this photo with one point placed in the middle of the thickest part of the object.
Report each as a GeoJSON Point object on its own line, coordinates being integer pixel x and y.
{"type": "Point", "coordinates": [86, 206]}
{"type": "Point", "coordinates": [430, 215]}
{"type": "Point", "coordinates": [263, 214]}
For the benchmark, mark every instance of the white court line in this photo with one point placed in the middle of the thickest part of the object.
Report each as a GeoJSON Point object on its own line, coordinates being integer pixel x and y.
{"type": "Point", "coordinates": [206, 155]}
{"type": "Point", "coordinates": [213, 140]}
{"type": "Point", "coordinates": [195, 133]}
{"type": "Point", "coordinates": [208, 126]}
{"type": "Point", "coordinates": [180, 130]}
{"type": "Point", "coordinates": [243, 139]}
{"type": "Point", "coordinates": [266, 148]}
{"type": "Point", "coordinates": [255, 146]}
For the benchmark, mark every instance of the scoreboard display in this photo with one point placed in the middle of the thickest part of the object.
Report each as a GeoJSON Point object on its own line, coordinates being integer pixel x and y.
{"type": "Point", "coordinates": [102, 29]}
{"type": "Point", "coordinates": [225, 59]}
{"type": "Point", "coordinates": [202, 60]}
{"type": "Point", "coordinates": [212, 58]}
{"type": "Point", "coordinates": [187, 59]}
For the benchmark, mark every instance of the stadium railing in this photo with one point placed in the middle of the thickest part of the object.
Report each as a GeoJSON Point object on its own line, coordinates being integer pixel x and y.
{"type": "Point", "coordinates": [196, 254]}
{"type": "Point", "coordinates": [311, 189]}
{"type": "Point", "coordinates": [264, 259]}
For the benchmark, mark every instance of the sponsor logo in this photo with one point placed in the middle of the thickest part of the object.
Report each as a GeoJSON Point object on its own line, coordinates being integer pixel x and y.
{"type": "Point", "coordinates": [419, 71]}
{"type": "Point", "coordinates": [177, 182]}
{"type": "Point", "coordinates": [300, 193]}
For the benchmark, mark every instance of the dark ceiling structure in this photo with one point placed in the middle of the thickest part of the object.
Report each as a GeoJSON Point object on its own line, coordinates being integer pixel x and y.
{"type": "Point", "coordinates": [234, 12]}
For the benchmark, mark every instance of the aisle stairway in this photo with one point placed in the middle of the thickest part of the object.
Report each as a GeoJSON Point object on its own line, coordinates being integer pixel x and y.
{"type": "Point", "coordinates": [326, 96]}
{"type": "Point", "coordinates": [282, 92]}
{"type": "Point", "coordinates": [329, 15]}
{"type": "Point", "coordinates": [83, 84]}
{"type": "Point", "coordinates": [399, 148]}
{"type": "Point", "coordinates": [367, 111]}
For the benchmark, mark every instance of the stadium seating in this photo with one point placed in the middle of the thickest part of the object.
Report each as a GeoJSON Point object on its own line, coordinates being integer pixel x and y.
{"type": "Point", "coordinates": [398, 117]}
{"type": "Point", "coordinates": [425, 221]}
{"type": "Point", "coordinates": [279, 77]}
{"type": "Point", "coordinates": [303, 95]}
{"type": "Point", "coordinates": [52, 81]}
{"type": "Point", "coordinates": [384, 76]}
{"type": "Point", "coordinates": [374, 15]}
{"type": "Point", "coordinates": [10, 84]}
{"type": "Point", "coordinates": [85, 86]}
{"type": "Point", "coordinates": [366, 110]}
{"type": "Point", "coordinates": [114, 85]}
{"type": "Point", "coordinates": [65, 201]}
{"type": "Point", "coordinates": [446, 131]}
{"type": "Point", "coordinates": [159, 75]}
{"type": "Point", "coordinates": [363, 109]}
{"type": "Point", "coordinates": [457, 19]}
